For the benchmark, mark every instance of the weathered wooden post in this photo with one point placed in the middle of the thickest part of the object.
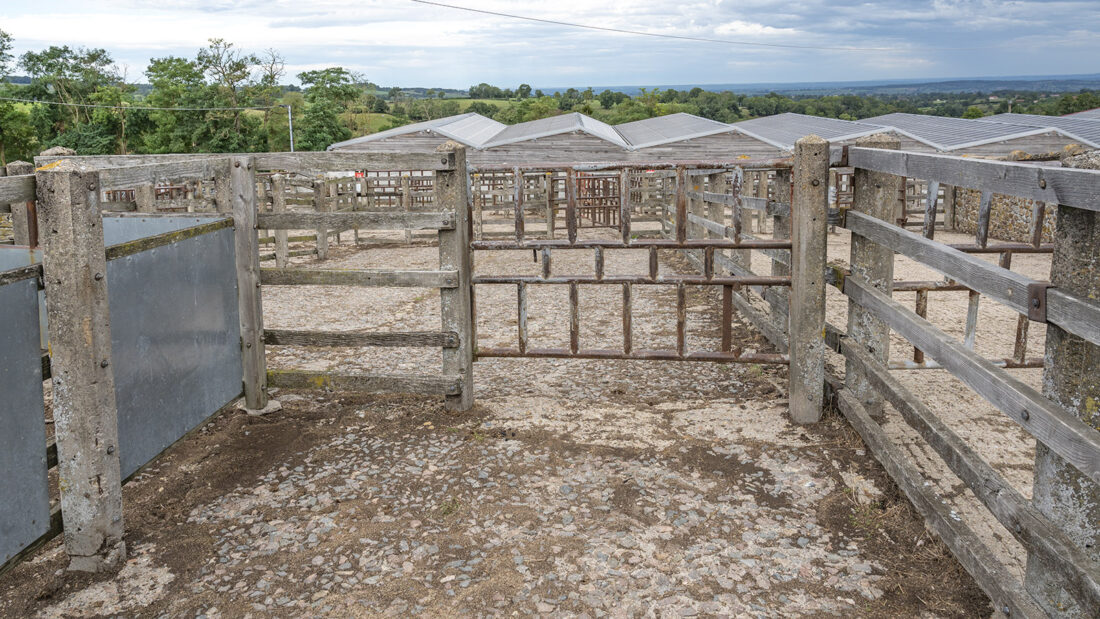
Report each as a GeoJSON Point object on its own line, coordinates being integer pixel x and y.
{"type": "Point", "coordinates": [24, 219]}
{"type": "Point", "coordinates": [406, 203]}
{"type": "Point", "coordinates": [948, 207]}
{"type": "Point", "coordinates": [242, 177]}
{"type": "Point", "coordinates": [278, 205]}
{"type": "Point", "coordinates": [454, 254]}
{"type": "Point", "coordinates": [809, 207]}
{"type": "Point", "coordinates": [548, 190]}
{"type": "Point", "coordinates": [876, 194]}
{"type": "Point", "coordinates": [84, 408]}
{"type": "Point", "coordinates": [319, 206]}
{"type": "Point", "coordinates": [1061, 492]}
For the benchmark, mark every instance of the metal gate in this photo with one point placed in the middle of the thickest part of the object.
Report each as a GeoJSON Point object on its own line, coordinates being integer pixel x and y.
{"type": "Point", "coordinates": [596, 197]}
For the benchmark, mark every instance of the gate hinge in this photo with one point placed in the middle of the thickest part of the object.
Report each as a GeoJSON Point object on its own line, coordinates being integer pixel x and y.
{"type": "Point", "coordinates": [1037, 301]}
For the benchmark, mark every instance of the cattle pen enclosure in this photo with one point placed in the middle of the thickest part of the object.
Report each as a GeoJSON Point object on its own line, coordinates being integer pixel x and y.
{"type": "Point", "coordinates": [151, 302]}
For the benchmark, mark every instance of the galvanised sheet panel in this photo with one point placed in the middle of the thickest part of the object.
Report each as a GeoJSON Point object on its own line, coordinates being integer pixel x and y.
{"type": "Point", "coordinates": [175, 340]}
{"type": "Point", "coordinates": [118, 230]}
{"type": "Point", "coordinates": [24, 491]}
{"type": "Point", "coordinates": [13, 257]}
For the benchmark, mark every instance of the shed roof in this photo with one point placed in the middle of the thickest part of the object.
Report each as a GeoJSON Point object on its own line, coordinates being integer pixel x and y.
{"type": "Point", "coordinates": [668, 129]}
{"type": "Point", "coordinates": [470, 129]}
{"type": "Point", "coordinates": [1078, 127]}
{"type": "Point", "coordinates": [555, 125]}
{"type": "Point", "coordinates": [783, 130]}
{"type": "Point", "coordinates": [1093, 113]}
{"type": "Point", "coordinates": [947, 134]}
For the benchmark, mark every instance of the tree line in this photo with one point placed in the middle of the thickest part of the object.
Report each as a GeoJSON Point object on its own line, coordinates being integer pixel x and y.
{"type": "Point", "coordinates": [225, 99]}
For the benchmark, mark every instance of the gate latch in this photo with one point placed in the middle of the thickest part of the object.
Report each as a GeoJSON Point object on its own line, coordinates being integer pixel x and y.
{"type": "Point", "coordinates": [1037, 301]}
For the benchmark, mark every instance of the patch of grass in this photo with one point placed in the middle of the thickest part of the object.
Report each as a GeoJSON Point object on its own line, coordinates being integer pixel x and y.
{"type": "Point", "coordinates": [448, 507]}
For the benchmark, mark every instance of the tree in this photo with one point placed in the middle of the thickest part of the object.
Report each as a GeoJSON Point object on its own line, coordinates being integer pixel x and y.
{"type": "Point", "coordinates": [483, 108]}
{"type": "Point", "coordinates": [267, 91]}
{"type": "Point", "coordinates": [176, 83]}
{"type": "Point", "coordinates": [973, 112]}
{"type": "Point", "coordinates": [328, 92]}
{"type": "Point", "coordinates": [230, 70]}
{"type": "Point", "coordinates": [5, 54]}
{"type": "Point", "coordinates": [394, 93]}
{"type": "Point", "coordinates": [524, 91]}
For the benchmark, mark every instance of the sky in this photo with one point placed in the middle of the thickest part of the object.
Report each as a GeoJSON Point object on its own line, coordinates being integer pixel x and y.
{"type": "Point", "coordinates": [398, 42]}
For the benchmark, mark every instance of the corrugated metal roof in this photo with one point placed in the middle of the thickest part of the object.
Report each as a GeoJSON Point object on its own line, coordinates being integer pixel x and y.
{"type": "Point", "coordinates": [554, 125]}
{"type": "Point", "coordinates": [783, 130]}
{"type": "Point", "coordinates": [1075, 126]}
{"type": "Point", "coordinates": [1095, 113]}
{"type": "Point", "coordinates": [947, 134]}
{"type": "Point", "coordinates": [470, 129]}
{"type": "Point", "coordinates": [668, 129]}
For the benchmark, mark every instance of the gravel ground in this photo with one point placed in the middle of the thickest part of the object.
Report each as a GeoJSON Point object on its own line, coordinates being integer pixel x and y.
{"type": "Point", "coordinates": [574, 488]}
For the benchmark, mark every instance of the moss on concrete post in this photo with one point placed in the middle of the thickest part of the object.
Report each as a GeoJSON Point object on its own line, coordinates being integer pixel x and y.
{"type": "Point", "coordinates": [1061, 492]}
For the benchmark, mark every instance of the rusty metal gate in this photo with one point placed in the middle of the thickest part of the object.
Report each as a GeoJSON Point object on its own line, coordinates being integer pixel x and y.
{"type": "Point", "coordinates": [611, 207]}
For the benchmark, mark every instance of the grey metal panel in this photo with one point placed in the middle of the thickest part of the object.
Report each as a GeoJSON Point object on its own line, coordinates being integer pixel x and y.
{"type": "Point", "coordinates": [1088, 129]}
{"type": "Point", "coordinates": [24, 489]}
{"type": "Point", "coordinates": [948, 133]}
{"type": "Point", "coordinates": [783, 130]}
{"type": "Point", "coordinates": [667, 129]}
{"type": "Point", "coordinates": [1093, 113]}
{"type": "Point", "coordinates": [15, 257]}
{"type": "Point", "coordinates": [125, 229]}
{"type": "Point", "coordinates": [175, 340]}
{"type": "Point", "coordinates": [554, 125]}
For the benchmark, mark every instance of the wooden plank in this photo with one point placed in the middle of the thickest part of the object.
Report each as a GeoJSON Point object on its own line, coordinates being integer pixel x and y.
{"type": "Point", "coordinates": [15, 189]}
{"type": "Point", "coordinates": [521, 316]}
{"type": "Point", "coordinates": [84, 406]}
{"type": "Point", "coordinates": [1065, 186]}
{"type": "Point", "coordinates": [457, 303]}
{"type": "Point", "coordinates": [807, 296]}
{"type": "Point", "coordinates": [198, 168]}
{"type": "Point", "coordinates": [574, 318]}
{"type": "Point", "coordinates": [990, 574]}
{"type": "Point", "coordinates": [410, 339]}
{"type": "Point", "coordinates": [929, 229]}
{"type": "Point", "coordinates": [321, 204]}
{"type": "Point", "coordinates": [344, 161]}
{"type": "Point", "coordinates": [628, 319]}
{"type": "Point", "coordinates": [1010, 508]}
{"type": "Point", "coordinates": [1067, 435]}
{"type": "Point", "coordinates": [242, 187]}
{"type": "Point", "coordinates": [365, 383]}
{"type": "Point", "coordinates": [357, 219]}
{"type": "Point", "coordinates": [359, 277]}
{"type": "Point", "coordinates": [278, 205]}
{"type": "Point", "coordinates": [1078, 316]}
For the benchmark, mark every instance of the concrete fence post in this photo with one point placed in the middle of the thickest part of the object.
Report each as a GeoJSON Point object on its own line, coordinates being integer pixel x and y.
{"type": "Point", "coordinates": [84, 408]}
{"type": "Point", "coordinates": [145, 198]}
{"type": "Point", "coordinates": [779, 298]}
{"type": "Point", "coordinates": [809, 206]}
{"type": "Point", "coordinates": [242, 177]}
{"type": "Point", "coordinates": [1062, 493]}
{"type": "Point", "coordinates": [876, 194]}
{"type": "Point", "coordinates": [451, 193]}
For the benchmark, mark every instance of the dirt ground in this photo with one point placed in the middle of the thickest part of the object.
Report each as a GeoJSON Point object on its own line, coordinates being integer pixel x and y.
{"type": "Point", "coordinates": [574, 488]}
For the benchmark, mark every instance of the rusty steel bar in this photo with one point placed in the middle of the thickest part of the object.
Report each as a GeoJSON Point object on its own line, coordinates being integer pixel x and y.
{"type": "Point", "coordinates": [545, 263]}
{"type": "Point", "coordinates": [930, 209]}
{"type": "Point", "coordinates": [708, 262]}
{"type": "Point", "coordinates": [628, 319]}
{"type": "Point", "coordinates": [599, 262]}
{"type": "Point", "coordinates": [637, 244]}
{"type": "Point", "coordinates": [653, 264]}
{"type": "Point", "coordinates": [1019, 347]}
{"type": "Point", "coordinates": [928, 286]}
{"type": "Point", "coordinates": [1038, 213]}
{"type": "Point", "coordinates": [637, 355]}
{"type": "Point", "coordinates": [695, 280]}
{"type": "Point", "coordinates": [984, 208]}
{"type": "Point", "coordinates": [1016, 248]}
{"type": "Point", "coordinates": [574, 318]}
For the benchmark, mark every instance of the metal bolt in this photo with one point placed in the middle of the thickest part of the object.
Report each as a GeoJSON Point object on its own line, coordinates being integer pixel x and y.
{"type": "Point", "coordinates": [91, 186]}
{"type": "Point", "coordinates": [815, 182]}
{"type": "Point", "coordinates": [1042, 183]}
{"type": "Point", "coordinates": [104, 363]}
{"type": "Point", "coordinates": [98, 276]}
{"type": "Point", "coordinates": [1006, 610]}
{"type": "Point", "coordinates": [110, 449]}
{"type": "Point", "coordinates": [1026, 415]}
{"type": "Point", "coordinates": [236, 164]}
{"type": "Point", "coordinates": [248, 345]}
{"type": "Point", "coordinates": [1035, 303]}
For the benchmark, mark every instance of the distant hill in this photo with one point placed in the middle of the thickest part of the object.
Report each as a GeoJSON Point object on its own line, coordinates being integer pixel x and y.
{"type": "Point", "coordinates": [1048, 83]}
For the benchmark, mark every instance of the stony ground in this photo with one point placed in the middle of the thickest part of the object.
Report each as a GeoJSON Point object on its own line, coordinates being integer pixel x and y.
{"type": "Point", "coordinates": [574, 488]}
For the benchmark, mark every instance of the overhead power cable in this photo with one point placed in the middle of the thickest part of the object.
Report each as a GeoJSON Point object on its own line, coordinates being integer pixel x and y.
{"type": "Point", "coordinates": [684, 37]}
{"type": "Point", "coordinates": [140, 107]}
